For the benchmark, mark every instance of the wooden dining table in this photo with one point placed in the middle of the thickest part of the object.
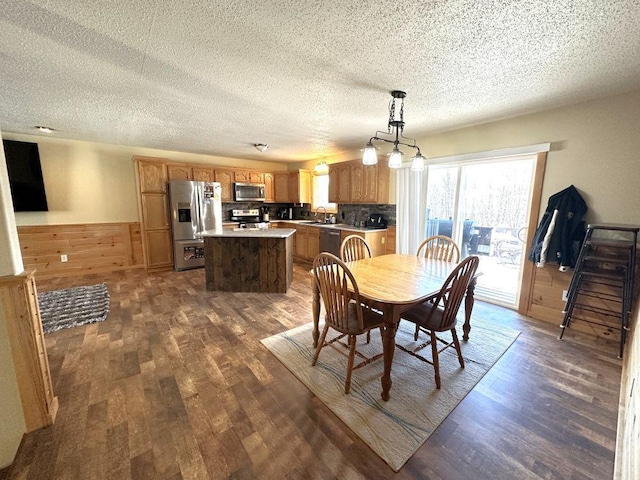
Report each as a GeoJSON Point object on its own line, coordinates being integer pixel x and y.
{"type": "Point", "coordinates": [393, 284]}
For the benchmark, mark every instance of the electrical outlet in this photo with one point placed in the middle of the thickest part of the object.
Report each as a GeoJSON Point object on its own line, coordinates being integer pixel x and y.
{"type": "Point", "coordinates": [64, 258]}
{"type": "Point", "coordinates": [565, 295]}
{"type": "Point", "coordinates": [383, 240]}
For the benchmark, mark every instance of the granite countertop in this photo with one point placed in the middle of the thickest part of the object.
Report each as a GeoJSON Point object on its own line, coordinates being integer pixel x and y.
{"type": "Point", "coordinates": [250, 232]}
{"type": "Point", "coordinates": [339, 226]}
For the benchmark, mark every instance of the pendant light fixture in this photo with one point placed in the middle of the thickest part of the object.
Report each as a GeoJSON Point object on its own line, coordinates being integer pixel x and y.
{"type": "Point", "coordinates": [395, 128]}
{"type": "Point", "coordinates": [321, 168]}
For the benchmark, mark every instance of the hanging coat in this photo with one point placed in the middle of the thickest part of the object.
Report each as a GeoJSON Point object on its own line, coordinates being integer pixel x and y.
{"type": "Point", "coordinates": [560, 226]}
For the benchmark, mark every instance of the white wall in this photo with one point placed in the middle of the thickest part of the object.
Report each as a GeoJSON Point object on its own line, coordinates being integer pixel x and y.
{"type": "Point", "coordinates": [594, 145]}
{"type": "Point", "coordinates": [89, 182]}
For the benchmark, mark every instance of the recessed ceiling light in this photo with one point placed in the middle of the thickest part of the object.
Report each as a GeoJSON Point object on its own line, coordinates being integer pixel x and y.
{"type": "Point", "coordinates": [44, 129]}
{"type": "Point", "coordinates": [261, 147]}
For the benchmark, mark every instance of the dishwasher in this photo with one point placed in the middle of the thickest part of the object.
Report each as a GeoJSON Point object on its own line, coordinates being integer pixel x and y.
{"type": "Point", "coordinates": [330, 240]}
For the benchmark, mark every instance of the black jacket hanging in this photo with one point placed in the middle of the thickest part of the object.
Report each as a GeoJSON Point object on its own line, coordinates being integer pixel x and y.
{"type": "Point", "coordinates": [561, 224]}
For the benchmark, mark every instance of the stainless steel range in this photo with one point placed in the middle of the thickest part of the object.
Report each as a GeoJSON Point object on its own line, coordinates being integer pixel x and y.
{"type": "Point", "coordinates": [248, 218]}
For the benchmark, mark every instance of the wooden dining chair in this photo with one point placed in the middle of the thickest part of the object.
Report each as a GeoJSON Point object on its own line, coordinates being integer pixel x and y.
{"type": "Point", "coordinates": [440, 315]}
{"type": "Point", "coordinates": [354, 247]}
{"type": "Point", "coordinates": [439, 247]}
{"type": "Point", "coordinates": [344, 312]}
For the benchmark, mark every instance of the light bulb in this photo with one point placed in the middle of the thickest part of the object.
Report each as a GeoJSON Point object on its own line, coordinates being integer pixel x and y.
{"type": "Point", "coordinates": [395, 159]}
{"type": "Point", "coordinates": [369, 157]}
{"type": "Point", "coordinates": [417, 163]}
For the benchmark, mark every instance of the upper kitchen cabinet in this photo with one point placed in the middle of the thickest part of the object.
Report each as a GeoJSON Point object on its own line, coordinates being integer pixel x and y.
{"type": "Point", "coordinates": [179, 172]}
{"type": "Point", "coordinates": [300, 186]}
{"type": "Point", "coordinates": [292, 187]}
{"type": "Point", "coordinates": [248, 176]}
{"type": "Point", "coordinates": [340, 182]}
{"type": "Point", "coordinates": [152, 174]}
{"type": "Point", "coordinates": [203, 174]}
{"type": "Point", "coordinates": [281, 187]}
{"type": "Point", "coordinates": [353, 182]}
{"type": "Point", "coordinates": [269, 188]}
{"type": "Point", "coordinates": [225, 178]}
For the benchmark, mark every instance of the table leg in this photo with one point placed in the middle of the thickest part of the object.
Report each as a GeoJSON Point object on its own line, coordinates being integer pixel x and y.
{"type": "Point", "coordinates": [315, 311]}
{"type": "Point", "coordinates": [392, 317]}
{"type": "Point", "coordinates": [468, 307]}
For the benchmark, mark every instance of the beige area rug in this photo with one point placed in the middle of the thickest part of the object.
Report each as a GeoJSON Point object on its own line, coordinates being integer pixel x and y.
{"type": "Point", "coordinates": [393, 429]}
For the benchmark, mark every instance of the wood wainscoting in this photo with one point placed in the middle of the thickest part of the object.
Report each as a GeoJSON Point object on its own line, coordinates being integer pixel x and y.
{"type": "Point", "coordinates": [627, 456]}
{"type": "Point", "coordinates": [546, 303]}
{"type": "Point", "coordinates": [89, 247]}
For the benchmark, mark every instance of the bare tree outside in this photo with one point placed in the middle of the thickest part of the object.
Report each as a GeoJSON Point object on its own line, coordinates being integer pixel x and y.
{"type": "Point", "coordinates": [494, 195]}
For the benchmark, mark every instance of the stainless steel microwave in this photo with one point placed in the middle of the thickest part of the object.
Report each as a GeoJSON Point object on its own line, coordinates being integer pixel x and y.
{"type": "Point", "coordinates": [248, 192]}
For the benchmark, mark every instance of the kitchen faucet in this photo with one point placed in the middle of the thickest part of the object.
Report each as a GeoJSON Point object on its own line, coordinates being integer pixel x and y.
{"type": "Point", "coordinates": [325, 213]}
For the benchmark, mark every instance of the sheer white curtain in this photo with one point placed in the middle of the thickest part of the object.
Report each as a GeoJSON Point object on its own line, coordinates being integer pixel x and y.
{"type": "Point", "coordinates": [411, 195]}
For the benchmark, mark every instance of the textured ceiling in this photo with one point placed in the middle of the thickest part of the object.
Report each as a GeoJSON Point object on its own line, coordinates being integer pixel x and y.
{"type": "Point", "coordinates": [307, 77]}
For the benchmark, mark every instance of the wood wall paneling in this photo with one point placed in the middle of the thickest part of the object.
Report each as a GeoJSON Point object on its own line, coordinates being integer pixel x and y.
{"type": "Point", "coordinates": [100, 247]}
{"type": "Point", "coordinates": [627, 463]}
{"type": "Point", "coordinates": [18, 295]}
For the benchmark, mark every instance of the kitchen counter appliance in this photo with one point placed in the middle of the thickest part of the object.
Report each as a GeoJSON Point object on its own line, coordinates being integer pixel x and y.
{"type": "Point", "coordinates": [376, 220]}
{"type": "Point", "coordinates": [285, 213]}
{"type": "Point", "coordinates": [195, 207]}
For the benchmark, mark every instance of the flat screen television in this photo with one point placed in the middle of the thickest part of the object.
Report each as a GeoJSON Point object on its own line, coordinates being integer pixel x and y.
{"type": "Point", "coordinates": [25, 176]}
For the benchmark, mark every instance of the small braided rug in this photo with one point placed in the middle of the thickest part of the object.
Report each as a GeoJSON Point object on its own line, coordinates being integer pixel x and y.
{"type": "Point", "coordinates": [72, 307]}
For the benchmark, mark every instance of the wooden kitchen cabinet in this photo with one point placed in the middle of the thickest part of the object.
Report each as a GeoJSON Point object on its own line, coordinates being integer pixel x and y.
{"type": "Point", "coordinates": [248, 176]}
{"type": "Point", "coordinates": [156, 232]}
{"type": "Point", "coordinates": [340, 182]}
{"type": "Point", "coordinates": [307, 244]}
{"type": "Point", "coordinates": [226, 178]}
{"type": "Point", "coordinates": [333, 183]}
{"type": "Point", "coordinates": [269, 188]}
{"type": "Point", "coordinates": [356, 171]}
{"type": "Point", "coordinates": [353, 182]}
{"type": "Point", "coordinates": [292, 187]}
{"type": "Point", "coordinates": [179, 172]}
{"type": "Point", "coordinates": [300, 186]}
{"type": "Point", "coordinates": [159, 253]}
{"type": "Point", "coordinates": [203, 174]}
{"type": "Point", "coordinates": [300, 250]}
{"type": "Point", "coordinates": [256, 177]}
{"type": "Point", "coordinates": [281, 187]}
{"type": "Point", "coordinates": [313, 242]}
{"type": "Point", "coordinates": [152, 175]}
{"type": "Point", "coordinates": [377, 239]}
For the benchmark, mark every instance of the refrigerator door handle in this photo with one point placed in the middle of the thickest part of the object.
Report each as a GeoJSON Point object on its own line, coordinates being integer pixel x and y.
{"type": "Point", "coordinates": [199, 209]}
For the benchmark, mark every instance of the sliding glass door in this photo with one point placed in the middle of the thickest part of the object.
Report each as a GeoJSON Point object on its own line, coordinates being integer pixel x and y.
{"type": "Point", "coordinates": [484, 206]}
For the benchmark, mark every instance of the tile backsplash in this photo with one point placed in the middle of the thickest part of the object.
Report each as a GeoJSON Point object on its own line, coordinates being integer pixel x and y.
{"type": "Point", "coordinates": [349, 214]}
{"type": "Point", "coordinates": [354, 214]}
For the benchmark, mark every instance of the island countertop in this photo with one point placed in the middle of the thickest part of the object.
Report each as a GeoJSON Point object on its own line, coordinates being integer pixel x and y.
{"type": "Point", "coordinates": [250, 233]}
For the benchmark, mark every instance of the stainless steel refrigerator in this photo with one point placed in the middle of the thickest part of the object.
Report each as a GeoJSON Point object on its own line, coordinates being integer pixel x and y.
{"type": "Point", "coordinates": [195, 207]}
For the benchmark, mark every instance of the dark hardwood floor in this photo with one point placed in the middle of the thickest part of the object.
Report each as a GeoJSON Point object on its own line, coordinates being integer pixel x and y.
{"type": "Point", "coordinates": [175, 384]}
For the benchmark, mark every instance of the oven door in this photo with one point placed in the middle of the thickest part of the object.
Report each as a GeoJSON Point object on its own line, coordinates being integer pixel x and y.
{"type": "Point", "coordinates": [188, 254]}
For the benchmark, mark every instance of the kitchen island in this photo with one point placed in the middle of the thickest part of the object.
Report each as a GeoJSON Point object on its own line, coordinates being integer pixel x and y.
{"type": "Point", "coordinates": [249, 260]}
